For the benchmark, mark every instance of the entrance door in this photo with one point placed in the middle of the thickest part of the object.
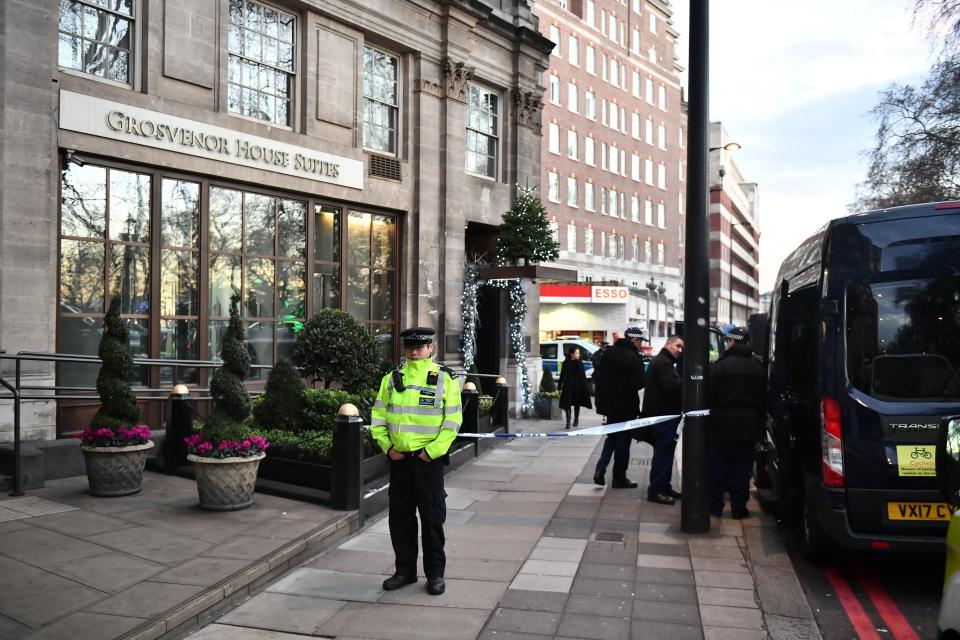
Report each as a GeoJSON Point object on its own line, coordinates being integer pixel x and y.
{"type": "Point", "coordinates": [491, 309]}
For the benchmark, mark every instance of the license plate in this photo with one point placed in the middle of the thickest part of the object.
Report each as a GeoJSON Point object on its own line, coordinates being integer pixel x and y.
{"type": "Point", "coordinates": [919, 511]}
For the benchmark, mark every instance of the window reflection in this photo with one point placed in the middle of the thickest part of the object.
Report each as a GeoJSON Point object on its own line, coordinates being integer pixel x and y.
{"type": "Point", "coordinates": [358, 292]}
{"type": "Point", "coordinates": [292, 228]}
{"type": "Point", "coordinates": [225, 220]}
{"type": "Point", "coordinates": [259, 336]}
{"type": "Point", "coordinates": [130, 277]}
{"type": "Point", "coordinates": [224, 282]}
{"type": "Point", "coordinates": [326, 287]}
{"type": "Point", "coordinates": [178, 283]}
{"type": "Point", "coordinates": [81, 276]}
{"type": "Point", "coordinates": [258, 296]}
{"type": "Point", "coordinates": [180, 218]}
{"type": "Point", "coordinates": [358, 238]}
{"type": "Point", "coordinates": [326, 235]}
{"type": "Point", "coordinates": [83, 200]}
{"type": "Point", "coordinates": [179, 340]}
{"type": "Point", "coordinates": [381, 295]}
{"type": "Point", "coordinates": [291, 300]}
{"type": "Point", "coordinates": [259, 223]}
{"type": "Point", "coordinates": [384, 230]}
{"type": "Point", "coordinates": [129, 206]}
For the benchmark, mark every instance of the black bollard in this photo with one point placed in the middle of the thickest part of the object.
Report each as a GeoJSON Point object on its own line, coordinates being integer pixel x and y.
{"type": "Point", "coordinates": [179, 426]}
{"type": "Point", "coordinates": [470, 406]}
{"type": "Point", "coordinates": [346, 470]}
{"type": "Point", "coordinates": [501, 405]}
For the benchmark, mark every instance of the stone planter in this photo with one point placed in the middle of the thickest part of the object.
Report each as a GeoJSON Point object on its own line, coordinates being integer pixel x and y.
{"type": "Point", "coordinates": [547, 408]}
{"type": "Point", "coordinates": [226, 484]}
{"type": "Point", "coordinates": [115, 471]}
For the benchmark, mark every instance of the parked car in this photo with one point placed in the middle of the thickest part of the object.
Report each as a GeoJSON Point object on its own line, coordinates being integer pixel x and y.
{"type": "Point", "coordinates": [863, 367]}
{"type": "Point", "coordinates": [949, 622]}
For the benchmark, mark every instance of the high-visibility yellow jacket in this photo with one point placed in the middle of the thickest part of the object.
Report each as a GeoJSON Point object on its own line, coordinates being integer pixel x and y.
{"type": "Point", "coordinates": [422, 416]}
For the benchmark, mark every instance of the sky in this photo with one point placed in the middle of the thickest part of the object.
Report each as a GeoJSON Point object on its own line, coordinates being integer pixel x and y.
{"type": "Point", "coordinates": [794, 83]}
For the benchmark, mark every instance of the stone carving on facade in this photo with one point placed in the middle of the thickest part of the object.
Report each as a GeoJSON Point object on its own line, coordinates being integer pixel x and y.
{"type": "Point", "coordinates": [457, 75]}
{"type": "Point", "coordinates": [429, 86]}
{"type": "Point", "coordinates": [527, 106]}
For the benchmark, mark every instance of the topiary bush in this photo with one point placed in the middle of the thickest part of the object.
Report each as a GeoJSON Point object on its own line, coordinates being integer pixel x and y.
{"type": "Point", "coordinates": [320, 406]}
{"type": "Point", "coordinates": [281, 405]}
{"type": "Point", "coordinates": [335, 348]}
{"type": "Point", "coordinates": [547, 383]}
{"type": "Point", "coordinates": [473, 375]}
{"type": "Point", "coordinates": [118, 405]}
{"type": "Point", "coordinates": [231, 400]}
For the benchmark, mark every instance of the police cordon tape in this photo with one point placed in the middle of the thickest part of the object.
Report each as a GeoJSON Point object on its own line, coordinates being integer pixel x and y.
{"type": "Point", "coordinates": [602, 430]}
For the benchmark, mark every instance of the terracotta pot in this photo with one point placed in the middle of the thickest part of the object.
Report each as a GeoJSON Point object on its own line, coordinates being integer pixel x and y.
{"type": "Point", "coordinates": [115, 471]}
{"type": "Point", "coordinates": [226, 484]}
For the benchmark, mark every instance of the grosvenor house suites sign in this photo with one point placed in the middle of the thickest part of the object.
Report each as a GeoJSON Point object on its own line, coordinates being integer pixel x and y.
{"type": "Point", "coordinates": [117, 121]}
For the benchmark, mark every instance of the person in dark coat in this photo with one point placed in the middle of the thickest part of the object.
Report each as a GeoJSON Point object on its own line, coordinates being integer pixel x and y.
{"type": "Point", "coordinates": [596, 359]}
{"type": "Point", "coordinates": [621, 376]}
{"type": "Point", "coordinates": [573, 388]}
{"type": "Point", "coordinates": [737, 405]}
{"type": "Point", "coordinates": [663, 397]}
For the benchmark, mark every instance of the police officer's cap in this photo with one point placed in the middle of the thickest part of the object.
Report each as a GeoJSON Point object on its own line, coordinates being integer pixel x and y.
{"type": "Point", "coordinates": [738, 335]}
{"type": "Point", "coordinates": [633, 332]}
{"type": "Point", "coordinates": [416, 336]}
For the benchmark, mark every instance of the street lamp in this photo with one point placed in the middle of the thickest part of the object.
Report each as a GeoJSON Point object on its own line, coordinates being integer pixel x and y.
{"type": "Point", "coordinates": [651, 287]}
{"type": "Point", "coordinates": [660, 291]}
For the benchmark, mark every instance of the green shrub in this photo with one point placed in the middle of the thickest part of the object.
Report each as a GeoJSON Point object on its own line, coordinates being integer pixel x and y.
{"type": "Point", "coordinates": [335, 348]}
{"type": "Point", "coordinates": [118, 405]}
{"type": "Point", "coordinates": [547, 383]}
{"type": "Point", "coordinates": [282, 404]}
{"type": "Point", "coordinates": [231, 400]}
{"type": "Point", "coordinates": [552, 395]}
{"type": "Point", "coordinates": [308, 446]}
{"type": "Point", "coordinates": [320, 406]}
{"type": "Point", "coordinates": [473, 375]}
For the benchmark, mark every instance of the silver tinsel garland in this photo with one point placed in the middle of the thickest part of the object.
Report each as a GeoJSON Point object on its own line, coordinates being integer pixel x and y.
{"type": "Point", "coordinates": [468, 310]}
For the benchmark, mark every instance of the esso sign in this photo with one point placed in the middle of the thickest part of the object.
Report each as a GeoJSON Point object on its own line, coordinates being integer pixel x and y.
{"type": "Point", "coordinates": [609, 294]}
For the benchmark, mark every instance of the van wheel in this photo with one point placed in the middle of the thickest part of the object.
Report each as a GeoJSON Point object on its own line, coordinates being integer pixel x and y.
{"type": "Point", "coordinates": [816, 545]}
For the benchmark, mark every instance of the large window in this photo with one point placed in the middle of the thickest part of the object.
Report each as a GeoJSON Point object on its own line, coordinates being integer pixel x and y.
{"type": "Point", "coordinates": [380, 101]}
{"type": "Point", "coordinates": [260, 66]}
{"type": "Point", "coordinates": [483, 126]}
{"type": "Point", "coordinates": [207, 241]}
{"type": "Point", "coordinates": [96, 37]}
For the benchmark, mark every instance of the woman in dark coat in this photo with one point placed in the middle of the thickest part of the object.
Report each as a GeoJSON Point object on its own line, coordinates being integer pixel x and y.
{"type": "Point", "coordinates": [574, 391]}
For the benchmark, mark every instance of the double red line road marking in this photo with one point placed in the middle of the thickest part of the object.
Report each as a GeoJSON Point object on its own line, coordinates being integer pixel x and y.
{"type": "Point", "coordinates": [896, 622]}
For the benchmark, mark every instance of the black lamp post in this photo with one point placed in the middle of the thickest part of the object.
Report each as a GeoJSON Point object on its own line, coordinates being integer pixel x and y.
{"type": "Point", "coordinates": [695, 506]}
{"type": "Point", "coordinates": [651, 287]}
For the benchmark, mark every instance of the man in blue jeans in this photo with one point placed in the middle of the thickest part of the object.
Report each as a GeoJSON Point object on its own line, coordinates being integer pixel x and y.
{"type": "Point", "coordinates": [620, 380]}
{"type": "Point", "coordinates": [663, 397]}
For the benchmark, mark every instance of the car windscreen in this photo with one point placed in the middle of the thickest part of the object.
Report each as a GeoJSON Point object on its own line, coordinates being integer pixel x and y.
{"type": "Point", "coordinates": [903, 337]}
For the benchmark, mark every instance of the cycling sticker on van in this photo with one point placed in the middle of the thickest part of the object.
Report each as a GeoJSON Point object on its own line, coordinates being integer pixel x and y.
{"type": "Point", "coordinates": [916, 460]}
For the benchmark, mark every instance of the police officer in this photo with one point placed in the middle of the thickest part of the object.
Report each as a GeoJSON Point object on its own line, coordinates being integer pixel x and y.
{"type": "Point", "coordinates": [415, 419]}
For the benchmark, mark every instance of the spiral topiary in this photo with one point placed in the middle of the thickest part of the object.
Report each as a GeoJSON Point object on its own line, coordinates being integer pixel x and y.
{"type": "Point", "coordinates": [118, 405]}
{"type": "Point", "coordinates": [231, 400]}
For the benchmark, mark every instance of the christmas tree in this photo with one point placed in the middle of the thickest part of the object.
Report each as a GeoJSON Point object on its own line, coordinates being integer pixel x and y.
{"type": "Point", "coordinates": [525, 233]}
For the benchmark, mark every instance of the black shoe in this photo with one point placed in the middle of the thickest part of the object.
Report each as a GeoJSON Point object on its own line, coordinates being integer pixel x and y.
{"type": "Point", "coordinates": [598, 478]}
{"type": "Point", "coordinates": [661, 498]}
{"type": "Point", "coordinates": [436, 586]}
{"type": "Point", "coordinates": [740, 514]}
{"type": "Point", "coordinates": [717, 514]}
{"type": "Point", "coordinates": [626, 483]}
{"type": "Point", "coordinates": [576, 423]}
{"type": "Point", "coordinates": [676, 495]}
{"type": "Point", "coordinates": [396, 581]}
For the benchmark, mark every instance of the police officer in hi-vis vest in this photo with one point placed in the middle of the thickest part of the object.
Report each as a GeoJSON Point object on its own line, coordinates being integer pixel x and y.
{"type": "Point", "coordinates": [415, 420]}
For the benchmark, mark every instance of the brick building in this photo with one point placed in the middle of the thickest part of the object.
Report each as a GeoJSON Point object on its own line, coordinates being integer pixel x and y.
{"type": "Point", "coordinates": [613, 158]}
{"type": "Point", "coordinates": [734, 236]}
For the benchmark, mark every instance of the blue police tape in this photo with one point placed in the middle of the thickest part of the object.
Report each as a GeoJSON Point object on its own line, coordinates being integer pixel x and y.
{"type": "Point", "coordinates": [602, 430]}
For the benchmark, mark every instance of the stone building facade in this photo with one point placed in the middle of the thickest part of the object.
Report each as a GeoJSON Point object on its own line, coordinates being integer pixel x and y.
{"type": "Point", "coordinates": [614, 151]}
{"type": "Point", "coordinates": [305, 153]}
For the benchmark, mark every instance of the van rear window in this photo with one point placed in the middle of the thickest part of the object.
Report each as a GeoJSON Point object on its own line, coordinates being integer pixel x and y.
{"type": "Point", "coordinates": [903, 338]}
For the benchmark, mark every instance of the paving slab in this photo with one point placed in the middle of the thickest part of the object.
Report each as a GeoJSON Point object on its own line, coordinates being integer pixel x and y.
{"type": "Point", "coordinates": [532, 582]}
{"type": "Point", "coordinates": [650, 630]}
{"type": "Point", "coordinates": [462, 594]}
{"type": "Point", "coordinates": [229, 632]}
{"type": "Point", "coordinates": [80, 523]}
{"type": "Point", "coordinates": [400, 622]}
{"type": "Point", "coordinates": [351, 560]}
{"type": "Point", "coordinates": [663, 562]}
{"type": "Point", "coordinates": [786, 628]}
{"type": "Point", "coordinates": [549, 568]}
{"type": "Point", "coordinates": [779, 593]}
{"type": "Point", "coordinates": [42, 547]}
{"type": "Point", "coordinates": [600, 587]}
{"type": "Point", "coordinates": [728, 633]}
{"type": "Point", "coordinates": [534, 600]}
{"type": "Point", "coordinates": [594, 627]}
{"type": "Point", "coordinates": [654, 575]}
{"type": "Point", "coordinates": [11, 629]}
{"type": "Point", "coordinates": [599, 605]}
{"type": "Point", "coordinates": [148, 599]}
{"type": "Point", "coordinates": [727, 597]}
{"type": "Point", "coordinates": [283, 612]}
{"type": "Point", "coordinates": [737, 617]}
{"type": "Point", "coordinates": [626, 572]}
{"type": "Point", "coordinates": [202, 571]}
{"type": "Point", "coordinates": [674, 612]}
{"type": "Point", "coordinates": [36, 611]}
{"type": "Point", "coordinates": [154, 544]}
{"type": "Point", "coordinates": [84, 625]}
{"type": "Point", "coordinates": [724, 579]}
{"type": "Point", "coordinates": [665, 593]}
{"type": "Point", "coordinates": [526, 621]}
{"type": "Point", "coordinates": [110, 572]}
{"type": "Point", "coordinates": [321, 583]}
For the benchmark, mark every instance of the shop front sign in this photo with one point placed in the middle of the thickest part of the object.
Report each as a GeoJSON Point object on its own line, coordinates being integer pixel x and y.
{"type": "Point", "coordinates": [118, 121]}
{"type": "Point", "coordinates": [582, 293]}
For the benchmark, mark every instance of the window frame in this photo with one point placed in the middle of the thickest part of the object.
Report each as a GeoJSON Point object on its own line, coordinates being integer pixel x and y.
{"type": "Point", "coordinates": [399, 120]}
{"type": "Point", "coordinates": [497, 135]}
{"type": "Point", "coordinates": [135, 33]}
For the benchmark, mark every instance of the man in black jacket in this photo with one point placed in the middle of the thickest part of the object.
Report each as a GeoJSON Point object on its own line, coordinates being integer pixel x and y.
{"type": "Point", "coordinates": [663, 397]}
{"type": "Point", "coordinates": [621, 376]}
{"type": "Point", "coordinates": [737, 405]}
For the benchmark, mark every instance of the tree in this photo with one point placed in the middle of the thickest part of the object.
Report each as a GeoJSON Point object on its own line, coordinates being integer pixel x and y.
{"type": "Point", "coordinates": [282, 404]}
{"type": "Point", "coordinates": [917, 154]}
{"type": "Point", "coordinates": [525, 234]}
{"type": "Point", "coordinates": [231, 400]}
{"type": "Point", "coordinates": [118, 405]}
{"type": "Point", "coordinates": [335, 348]}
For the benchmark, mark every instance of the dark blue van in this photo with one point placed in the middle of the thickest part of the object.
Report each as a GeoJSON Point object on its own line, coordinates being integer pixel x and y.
{"type": "Point", "coordinates": [864, 364]}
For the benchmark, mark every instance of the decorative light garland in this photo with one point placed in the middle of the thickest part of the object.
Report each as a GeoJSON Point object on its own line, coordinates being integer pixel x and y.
{"type": "Point", "coordinates": [468, 310]}
{"type": "Point", "coordinates": [518, 313]}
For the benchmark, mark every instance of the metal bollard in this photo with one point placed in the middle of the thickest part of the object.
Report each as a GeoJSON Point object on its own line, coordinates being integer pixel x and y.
{"type": "Point", "coordinates": [179, 426]}
{"type": "Point", "coordinates": [501, 406]}
{"type": "Point", "coordinates": [470, 406]}
{"type": "Point", "coordinates": [346, 470]}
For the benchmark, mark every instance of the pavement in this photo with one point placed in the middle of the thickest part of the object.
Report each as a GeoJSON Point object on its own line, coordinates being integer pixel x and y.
{"type": "Point", "coordinates": [146, 566]}
{"type": "Point", "coordinates": [535, 550]}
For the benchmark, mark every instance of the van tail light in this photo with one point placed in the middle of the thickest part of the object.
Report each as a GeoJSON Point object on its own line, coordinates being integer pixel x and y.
{"type": "Point", "coordinates": [832, 442]}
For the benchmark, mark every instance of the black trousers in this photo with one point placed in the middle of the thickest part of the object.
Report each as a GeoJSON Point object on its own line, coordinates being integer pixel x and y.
{"type": "Point", "coordinates": [415, 486]}
{"type": "Point", "coordinates": [731, 463]}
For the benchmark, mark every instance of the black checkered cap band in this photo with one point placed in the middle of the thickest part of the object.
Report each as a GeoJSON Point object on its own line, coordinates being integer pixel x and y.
{"type": "Point", "coordinates": [634, 332]}
{"type": "Point", "coordinates": [738, 335]}
{"type": "Point", "coordinates": [417, 338]}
